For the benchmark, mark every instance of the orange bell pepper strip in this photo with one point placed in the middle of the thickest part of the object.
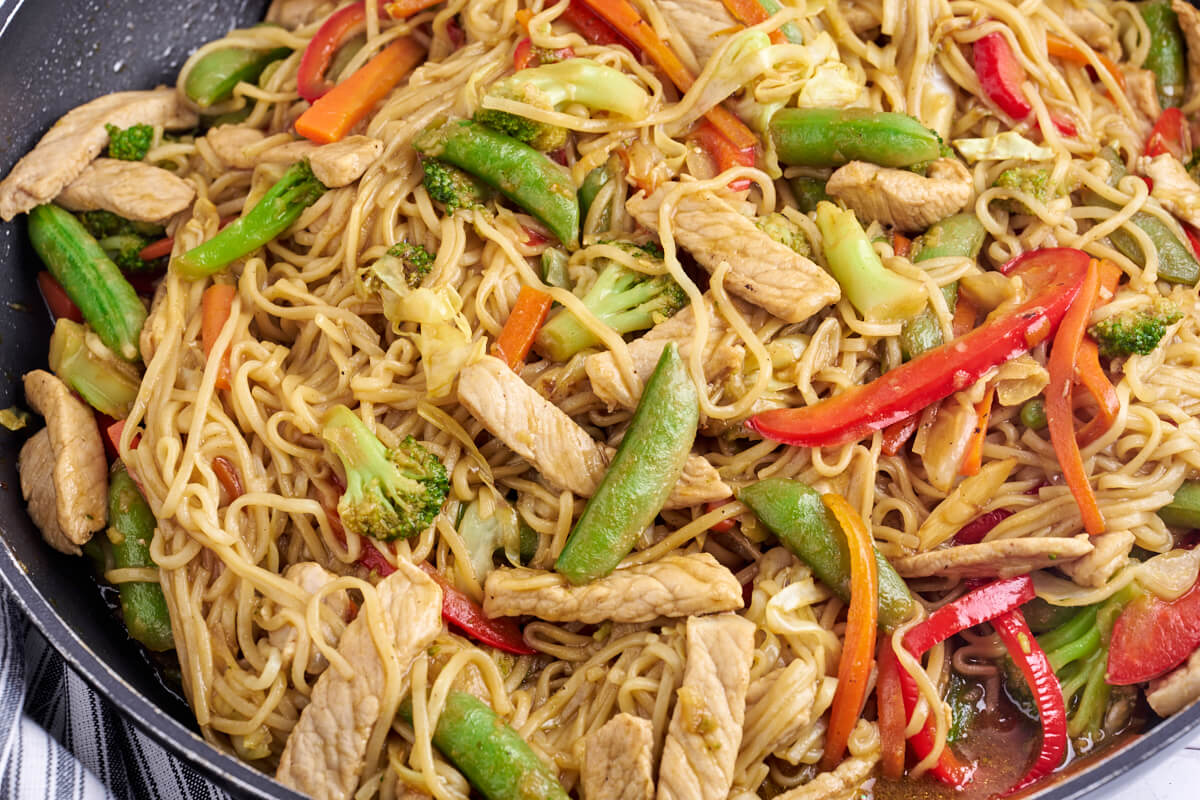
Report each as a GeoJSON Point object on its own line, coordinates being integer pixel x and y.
{"type": "Point", "coordinates": [1059, 409]}
{"type": "Point", "coordinates": [722, 151]}
{"type": "Point", "coordinates": [332, 116]}
{"type": "Point", "coordinates": [403, 9]}
{"type": "Point", "coordinates": [522, 325]}
{"type": "Point", "coordinates": [965, 313]}
{"type": "Point", "coordinates": [973, 458]}
{"type": "Point", "coordinates": [1059, 47]}
{"type": "Point", "coordinates": [216, 304]}
{"type": "Point", "coordinates": [858, 649]}
{"type": "Point", "coordinates": [889, 700]}
{"type": "Point", "coordinates": [1091, 375]}
{"type": "Point", "coordinates": [751, 12]}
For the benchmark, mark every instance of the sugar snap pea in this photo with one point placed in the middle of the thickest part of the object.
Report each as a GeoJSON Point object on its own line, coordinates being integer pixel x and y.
{"type": "Point", "coordinates": [795, 514]}
{"type": "Point", "coordinates": [959, 235]}
{"type": "Point", "coordinates": [213, 78]}
{"type": "Point", "coordinates": [646, 467]}
{"type": "Point", "coordinates": [131, 529]}
{"type": "Point", "coordinates": [492, 756]}
{"type": "Point", "coordinates": [830, 137]}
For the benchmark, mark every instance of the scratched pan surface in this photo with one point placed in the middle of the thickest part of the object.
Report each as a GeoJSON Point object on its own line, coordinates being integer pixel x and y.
{"type": "Point", "coordinates": [55, 55]}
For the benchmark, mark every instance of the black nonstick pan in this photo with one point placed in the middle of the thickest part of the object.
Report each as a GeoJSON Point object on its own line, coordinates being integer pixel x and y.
{"type": "Point", "coordinates": [55, 55]}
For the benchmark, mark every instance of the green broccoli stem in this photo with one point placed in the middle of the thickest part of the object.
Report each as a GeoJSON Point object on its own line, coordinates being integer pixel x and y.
{"type": "Point", "coordinates": [878, 293]}
{"type": "Point", "coordinates": [831, 137]}
{"type": "Point", "coordinates": [213, 78]}
{"type": "Point", "coordinates": [107, 384]}
{"type": "Point", "coordinates": [516, 170]}
{"type": "Point", "coordinates": [1184, 509]}
{"type": "Point", "coordinates": [278, 209]}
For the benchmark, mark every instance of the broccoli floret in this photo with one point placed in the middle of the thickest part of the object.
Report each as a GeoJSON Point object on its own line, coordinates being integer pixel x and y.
{"type": "Point", "coordinates": [404, 265]}
{"type": "Point", "coordinates": [102, 224]}
{"type": "Point", "coordinates": [123, 239]}
{"type": "Point", "coordinates": [453, 187]}
{"type": "Point", "coordinates": [623, 299]}
{"type": "Point", "coordinates": [786, 232]}
{"type": "Point", "coordinates": [1077, 650]}
{"type": "Point", "coordinates": [1032, 180]}
{"type": "Point", "coordinates": [130, 144]}
{"type": "Point", "coordinates": [551, 86]}
{"type": "Point", "coordinates": [1137, 330]}
{"type": "Point", "coordinates": [390, 494]}
{"type": "Point", "coordinates": [125, 251]}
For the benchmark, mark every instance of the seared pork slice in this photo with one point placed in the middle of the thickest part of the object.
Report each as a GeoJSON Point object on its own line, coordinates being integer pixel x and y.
{"type": "Point", "coordinates": [901, 198]}
{"type": "Point", "coordinates": [844, 781]}
{"type": "Point", "coordinates": [674, 586]}
{"type": "Point", "coordinates": [78, 471]}
{"type": "Point", "coordinates": [342, 163]}
{"type": "Point", "coordinates": [720, 360]}
{"type": "Point", "coordinates": [1173, 186]}
{"type": "Point", "coordinates": [706, 728]}
{"type": "Point", "coordinates": [1177, 689]}
{"type": "Point", "coordinates": [563, 452]}
{"type": "Point", "coordinates": [616, 761]}
{"type": "Point", "coordinates": [762, 271]}
{"type": "Point", "coordinates": [130, 189]}
{"type": "Point", "coordinates": [325, 752]}
{"type": "Point", "coordinates": [1110, 554]}
{"type": "Point", "coordinates": [78, 138]}
{"type": "Point", "coordinates": [1000, 558]}
{"type": "Point", "coordinates": [703, 24]}
{"type": "Point", "coordinates": [1189, 23]}
{"type": "Point", "coordinates": [36, 465]}
{"type": "Point", "coordinates": [311, 577]}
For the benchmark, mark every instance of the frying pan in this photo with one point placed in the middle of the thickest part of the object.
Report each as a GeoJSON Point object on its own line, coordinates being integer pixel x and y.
{"type": "Point", "coordinates": [55, 55]}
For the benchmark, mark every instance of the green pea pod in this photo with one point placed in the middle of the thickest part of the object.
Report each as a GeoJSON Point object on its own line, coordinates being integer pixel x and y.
{"type": "Point", "coordinates": [492, 756]}
{"type": "Point", "coordinates": [646, 467]}
{"type": "Point", "coordinates": [109, 304]}
{"type": "Point", "coordinates": [830, 137]}
{"type": "Point", "coordinates": [596, 180]}
{"type": "Point", "coordinates": [960, 235]}
{"type": "Point", "coordinates": [213, 78]}
{"type": "Point", "coordinates": [795, 514]}
{"type": "Point", "coordinates": [519, 172]}
{"type": "Point", "coordinates": [131, 529]}
{"type": "Point", "coordinates": [1176, 262]}
{"type": "Point", "coordinates": [1184, 510]}
{"type": "Point", "coordinates": [1165, 58]}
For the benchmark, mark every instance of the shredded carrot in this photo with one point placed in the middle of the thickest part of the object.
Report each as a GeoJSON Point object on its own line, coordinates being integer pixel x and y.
{"type": "Point", "coordinates": [1059, 410]}
{"type": "Point", "coordinates": [333, 114]}
{"type": "Point", "coordinates": [901, 245]}
{"type": "Point", "coordinates": [157, 249]}
{"type": "Point", "coordinates": [858, 648]}
{"type": "Point", "coordinates": [973, 458]}
{"type": "Point", "coordinates": [965, 313]}
{"type": "Point", "coordinates": [751, 12]}
{"type": "Point", "coordinates": [403, 9]}
{"type": "Point", "coordinates": [1060, 48]}
{"type": "Point", "coordinates": [1090, 374]}
{"type": "Point", "coordinates": [215, 306]}
{"type": "Point", "coordinates": [625, 18]}
{"type": "Point", "coordinates": [227, 474]}
{"type": "Point", "coordinates": [889, 700]}
{"type": "Point", "coordinates": [898, 433]}
{"type": "Point", "coordinates": [522, 325]}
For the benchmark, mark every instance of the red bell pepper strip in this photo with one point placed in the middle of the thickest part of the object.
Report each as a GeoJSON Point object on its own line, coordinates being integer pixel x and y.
{"type": "Point", "coordinates": [1168, 135]}
{"type": "Point", "coordinates": [1047, 695]}
{"type": "Point", "coordinates": [1001, 77]}
{"type": "Point", "coordinates": [889, 702]}
{"type": "Point", "coordinates": [522, 325]}
{"type": "Point", "coordinates": [526, 55]}
{"type": "Point", "coordinates": [1193, 237]}
{"type": "Point", "coordinates": [341, 108]}
{"type": "Point", "coordinates": [61, 306]}
{"type": "Point", "coordinates": [896, 435]}
{"type": "Point", "coordinates": [1060, 414]}
{"type": "Point", "coordinates": [723, 152]}
{"type": "Point", "coordinates": [974, 531]}
{"type": "Point", "coordinates": [1152, 637]}
{"type": "Point", "coordinates": [592, 26]}
{"type": "Point", "coordinates": [725, 525]}
{"type": "Point", "coordinates": [341, 25]}
{"type": "Point", "coordinates": [157, 249]}
{"type": "Point", "coordinates": [1055, 276]}
{"type": "Point", "coordinates": [981, 605]}
{"type": "Point", "coordinates": [113, 433]}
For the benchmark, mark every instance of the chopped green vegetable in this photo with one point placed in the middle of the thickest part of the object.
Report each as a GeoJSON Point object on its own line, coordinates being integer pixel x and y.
{"type": "Point", "coordinates": [1136, 330]}
{"type": "Point", "coordinates": [281, 206]}
{"type": "Point", "coordinates": [878, 293]}
{"type": "Point", "coordinates": [452, 187]}
{"type": "Point", "coordinates": [1033, 413]}
{"type": "Point", "coordinates": [831, 137]}
{"type": "Point", "coordinates": [103, 224]}
{"type": "Point", "coordinates": [1165, 58]}
{"type": "Point", "coordinates": [808, 193]}
{"type": "Point", "coordinates": [554, 268]}
{"type": "Point", "coordinates": [1031, 180]}
{"type": "Point", "coordinates": [551, 86]}
{"type": "Point", "coordinates": [130, 144]}
{"type": "Point", "coordinates": [642, 474]}
{"type": "Point", "coordinates": [213, 78]}
{"type": "Point", "coordinates": [786, 232]}
{"type": "Point", "coordinates": [623, 299]}
{"type": "Point", "coordinates": [403, 265]}
{"type": "Point", "coordinates": [1184, 509]}
{"type": "Point", "coordinates": [390, 494]}
{"type": "Point", "coordinates": [131, 527]}
{"type": "Point", "coordinates": [483, 536]}
{"type": "Point", "coordinates": [104, 381]}
{"type": "Point", "coordinates": [606, 174]}
{"type": "Point", "coordinates": [109, 304]}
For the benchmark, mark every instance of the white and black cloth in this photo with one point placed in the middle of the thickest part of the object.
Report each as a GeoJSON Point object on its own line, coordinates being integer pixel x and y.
{"type": "Point", "coordinates": [59, 739]}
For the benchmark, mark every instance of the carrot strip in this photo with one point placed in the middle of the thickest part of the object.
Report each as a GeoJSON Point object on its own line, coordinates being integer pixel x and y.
{"type": "Point", "coordinates": [403, 9]}
{"type": "Point", "coordinates": [973, 458]}
{"type": "Point", "coordinates": [901, 245]}
{"type": "Point", "coordinates": [751, 12]}
{"type": "Point", "coordinates": [332, 116]}
{"type": "Point", "coordinates": [522, 325]}
{"type": "Point", "coordinates": [898, 433]}
{"type": "Point", "coordinates": [157, 249]}
{"type": "Point", "coordinates": [215, 306]}
{"type": "Point", "coordinates": [722, 151]}
{"type": "Point", "coordinates": [964, 317]}
{"type": "Point", "coordinates": [592, 27]}
{"type": "Point", "coordinates": [1059, 411]}
{"type": "Point", "coordinates": [858, 649]}
{"type": "Point", "coordinates": [1060, 48]}
{"type": "Point", "coordinates": [889, 699]}
{"type": "Point", "coordinates": [1090, 374]}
